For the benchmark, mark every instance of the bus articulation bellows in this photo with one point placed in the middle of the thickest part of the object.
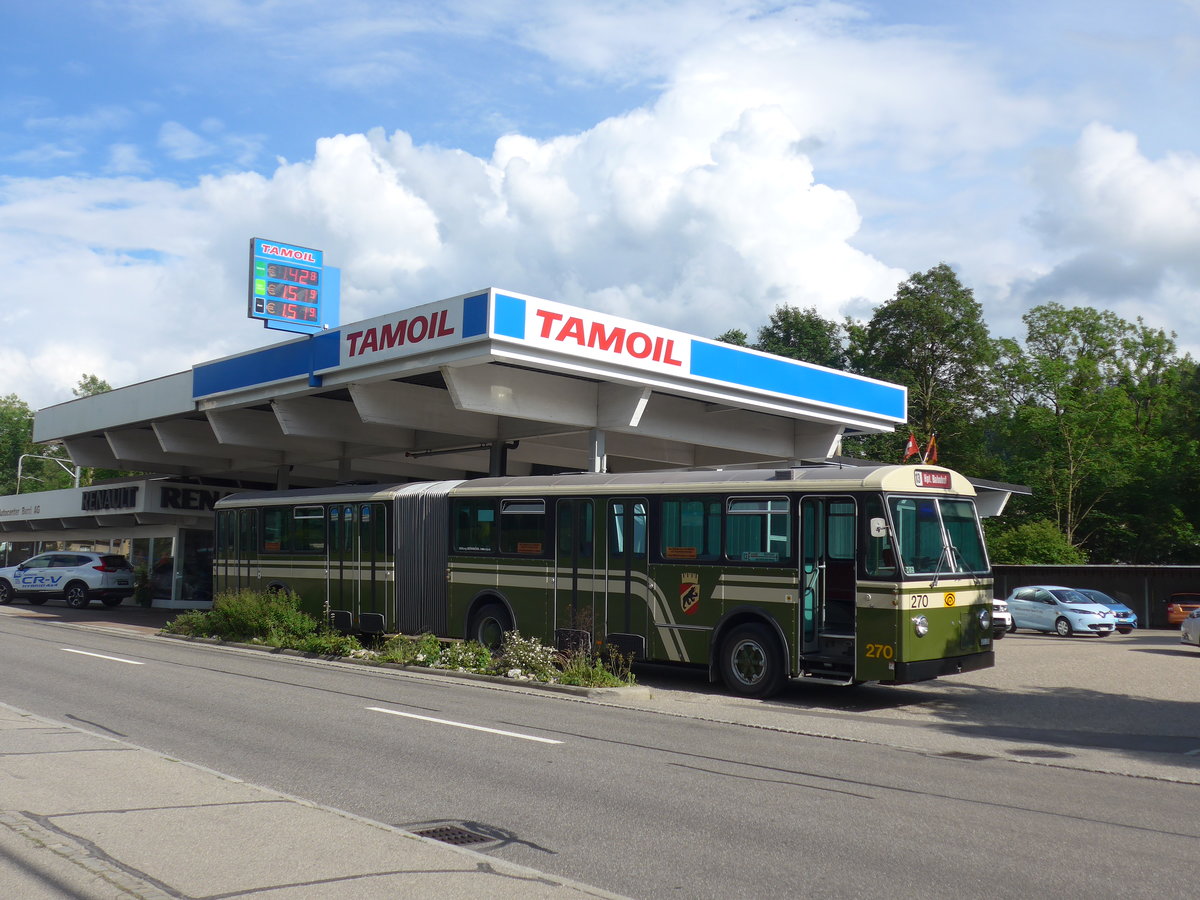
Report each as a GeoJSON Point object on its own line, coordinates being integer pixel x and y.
{"type": "Point", "coordinates": [837, 574]}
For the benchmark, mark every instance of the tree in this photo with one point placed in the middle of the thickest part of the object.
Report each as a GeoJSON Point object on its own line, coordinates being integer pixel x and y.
{"type": "Point", "coordinates": [931, 338]}
{"type": "Point", "coordinates": [16, 432]}
{"type": "Point", "coordinates": [89, 385]}
{"type": "Point", "coordinates": [46, 467]}
{"type": "Point", "coordinates": [1086, 423]}
{"type": "Point", "coordinates": [734, 336]}
{"type": "Point", "coordinates": [805, 335]}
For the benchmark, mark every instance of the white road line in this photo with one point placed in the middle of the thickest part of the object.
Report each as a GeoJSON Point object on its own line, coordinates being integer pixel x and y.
{"type": "Point", "coordinates": [524, 737]}
{"type": "Point", "coordinates": [131, 662]}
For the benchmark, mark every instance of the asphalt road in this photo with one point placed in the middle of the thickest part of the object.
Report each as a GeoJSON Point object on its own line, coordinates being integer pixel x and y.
{"type": "Point", "coordinates": [1070, 769]}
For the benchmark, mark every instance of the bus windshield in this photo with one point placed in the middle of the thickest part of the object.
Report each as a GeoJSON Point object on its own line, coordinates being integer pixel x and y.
{"type": "Point", "coordinates": [937, 536]}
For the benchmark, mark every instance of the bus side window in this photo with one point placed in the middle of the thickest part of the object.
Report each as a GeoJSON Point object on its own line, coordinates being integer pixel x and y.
{"type": "Point", "coordinates": [307, 533]}
{"type": "Point", "coordinates": [691, 528]}
{"type": "Point", "coordinates": [758, 529]}
{"type": "Point", "coordinates": [523, 527]}
{"type": "Point", "coordinates": [474, 525]}
{"type": "Point", "coordinates": [619, 512]}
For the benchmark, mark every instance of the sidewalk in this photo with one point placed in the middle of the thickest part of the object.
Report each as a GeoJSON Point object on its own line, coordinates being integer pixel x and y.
{"type": "Point", "coordinates": [86, 816]}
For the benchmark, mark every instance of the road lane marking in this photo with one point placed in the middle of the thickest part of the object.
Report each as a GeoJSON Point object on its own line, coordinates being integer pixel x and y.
{"type": "Point", "coordinates": [524, 737]}
{"type": "Point", "coordinates": [131, 662]}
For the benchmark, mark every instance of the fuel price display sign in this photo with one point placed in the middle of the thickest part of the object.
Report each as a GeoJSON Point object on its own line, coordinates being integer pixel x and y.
{"type": "Point", "coordinates": [286, 285]}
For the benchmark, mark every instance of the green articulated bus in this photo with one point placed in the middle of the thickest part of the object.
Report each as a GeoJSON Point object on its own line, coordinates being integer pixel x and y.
{"type": "Point", "coordinates": [838, 574]}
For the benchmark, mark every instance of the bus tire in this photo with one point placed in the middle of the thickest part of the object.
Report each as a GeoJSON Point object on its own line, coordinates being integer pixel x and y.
{"type": "Point", "coordinates": [489, 624]}
{"type": "Point", "coordinates": [751, 661]}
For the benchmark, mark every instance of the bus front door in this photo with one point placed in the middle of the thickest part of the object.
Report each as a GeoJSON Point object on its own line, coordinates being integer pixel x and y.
{"type": "Point", "coordinates": [627, 583]}
{"type": "Point", "coordinates": [357, 586]}
{"type": "Point", "coordinates": [828, 580]}
{"type": "Point", "coordinates": [575, 575]}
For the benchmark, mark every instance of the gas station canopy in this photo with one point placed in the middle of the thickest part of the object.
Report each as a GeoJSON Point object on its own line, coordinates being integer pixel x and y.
{"type": "Point", "coordinates": [486, 382]}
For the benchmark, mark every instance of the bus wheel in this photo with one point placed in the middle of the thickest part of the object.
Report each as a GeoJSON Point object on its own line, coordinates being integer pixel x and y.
{"type": "Point", "coordinates": [751, 661]}
{"type": "Point", "coordinates": [488, 625]}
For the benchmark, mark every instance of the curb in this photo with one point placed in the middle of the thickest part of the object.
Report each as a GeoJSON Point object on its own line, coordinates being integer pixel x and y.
{"type": "Point", "coordinates": [636, 692]}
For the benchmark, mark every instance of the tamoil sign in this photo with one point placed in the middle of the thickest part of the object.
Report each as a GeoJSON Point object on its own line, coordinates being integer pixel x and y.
{"type": "Point", "coordinates": [594, 335]}
{"type": "Point", "coordinates": [417, 330]}
{"type": "Point", "coordinates": [286, 286]}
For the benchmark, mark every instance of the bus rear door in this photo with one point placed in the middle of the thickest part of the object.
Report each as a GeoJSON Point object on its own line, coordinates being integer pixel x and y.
{"type": "Point", "coordinates": [357, 585]}
{"type": "Point", "coordinates": [575, 575]}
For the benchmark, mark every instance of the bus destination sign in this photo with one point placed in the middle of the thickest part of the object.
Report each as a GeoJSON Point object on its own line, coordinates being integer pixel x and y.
{"type": "Point", "coordinates": [932, 479]}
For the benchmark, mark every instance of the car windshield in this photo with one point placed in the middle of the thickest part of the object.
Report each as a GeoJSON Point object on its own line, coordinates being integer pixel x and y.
{"type": "Point", "coordinates": [938, 536]}
{"type": "Point", "coordinates": [1101, 597]}
{"type": "Point", "coordinates": [1066, 595]}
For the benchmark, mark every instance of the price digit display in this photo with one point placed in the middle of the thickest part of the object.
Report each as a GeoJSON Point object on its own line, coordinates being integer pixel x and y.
{"type": "Point", "coordinates": [285, 283]}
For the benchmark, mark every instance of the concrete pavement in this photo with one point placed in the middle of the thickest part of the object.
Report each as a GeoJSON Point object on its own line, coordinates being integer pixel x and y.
{"type": "Point", "coordinates": [83, 815]}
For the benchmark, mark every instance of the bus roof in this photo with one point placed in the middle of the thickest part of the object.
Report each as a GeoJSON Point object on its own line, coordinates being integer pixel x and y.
{"type": "Point", "coordinates": [892, 478]}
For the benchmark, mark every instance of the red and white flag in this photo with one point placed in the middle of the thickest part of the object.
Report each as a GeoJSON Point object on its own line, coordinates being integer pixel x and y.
{"type": "Point", "coordinates": [930, 456]}
{"type": "Point", "coordinates": [912, 448]}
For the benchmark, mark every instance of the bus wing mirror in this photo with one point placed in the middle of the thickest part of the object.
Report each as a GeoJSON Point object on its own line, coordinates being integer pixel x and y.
{"type": "Point", "coordinates": [879, 528]}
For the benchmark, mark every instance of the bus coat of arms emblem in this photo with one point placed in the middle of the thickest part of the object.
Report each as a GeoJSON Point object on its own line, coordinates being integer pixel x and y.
{"type": "Point", "coordinates": [689, 592]}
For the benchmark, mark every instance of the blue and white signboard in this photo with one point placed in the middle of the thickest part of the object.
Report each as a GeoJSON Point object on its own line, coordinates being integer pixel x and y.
{"type": "Point", "coordinates": [291, 289]}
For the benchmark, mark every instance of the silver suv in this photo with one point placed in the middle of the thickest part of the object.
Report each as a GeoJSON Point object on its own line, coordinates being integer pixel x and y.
{"type": "Point", "coordinates": [76, 576]}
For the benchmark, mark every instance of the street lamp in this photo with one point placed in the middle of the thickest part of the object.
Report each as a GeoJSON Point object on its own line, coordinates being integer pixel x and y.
{"type": "Point", "coordinates": [24, 456]}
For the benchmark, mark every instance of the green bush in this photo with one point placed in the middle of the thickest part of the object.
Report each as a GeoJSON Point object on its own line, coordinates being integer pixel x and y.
{"type": "Point", "coordinates": [407, 650]}
{"type": "Point", "coordinates": [273, 618]}
{"type": "Point", "coordinates": [607, 668]}
{"type": "Point", "coordinates": [194, 623]}
{"type": "Point", "coordinates": [527, 659]}
{"type": "Point", "coordinates": [1031, 544]}
{"type": "Point", "coordinates": [470, 656]}
{"type": "Point", "coordinates": [328, 643]}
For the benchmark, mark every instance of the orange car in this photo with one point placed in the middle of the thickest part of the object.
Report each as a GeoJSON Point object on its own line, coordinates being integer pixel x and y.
{"type": "Point", "coordinates": [1179, 605]}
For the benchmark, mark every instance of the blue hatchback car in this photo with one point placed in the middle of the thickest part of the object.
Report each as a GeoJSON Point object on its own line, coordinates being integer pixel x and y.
{"type": "Point", "coordinates": [1049, 607]}
{"type": "Point", "coordinates": [1126, 617]}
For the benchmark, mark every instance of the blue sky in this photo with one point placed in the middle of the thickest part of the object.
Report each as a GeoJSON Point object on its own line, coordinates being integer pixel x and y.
{"type": "Point", "coordinates": [690, 164]}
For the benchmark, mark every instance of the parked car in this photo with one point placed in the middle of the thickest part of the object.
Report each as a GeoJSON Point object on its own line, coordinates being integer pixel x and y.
{"type": "Point", "coordinates": [1001, 619]}
{"type": "Point", "coordinates": [1127, 619]}
{"type": "Point", "coordinates": [1179, 606]}
{"type": "Point", "coordinates": [1050, 607]}
{"type": "Point", "coordinates": [1189, 629]}
{"type": "Point", "coordinates": [75, 576]}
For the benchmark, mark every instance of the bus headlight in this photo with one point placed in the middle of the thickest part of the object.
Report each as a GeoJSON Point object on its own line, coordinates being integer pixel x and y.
{"type": "Point", "coordinates": [985, 618]}
{"type": "Point", "coordinates": [920, 625]}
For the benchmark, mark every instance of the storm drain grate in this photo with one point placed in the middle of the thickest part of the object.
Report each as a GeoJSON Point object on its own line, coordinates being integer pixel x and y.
{"type": "Point", "coordinates": [453, 834]}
